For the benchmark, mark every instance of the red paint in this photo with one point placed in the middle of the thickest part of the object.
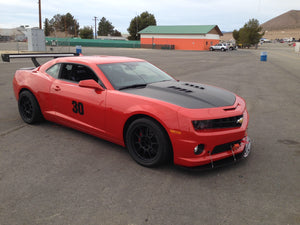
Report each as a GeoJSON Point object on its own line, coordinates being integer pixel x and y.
{"type": "Point", "coordinates": [106, 111]}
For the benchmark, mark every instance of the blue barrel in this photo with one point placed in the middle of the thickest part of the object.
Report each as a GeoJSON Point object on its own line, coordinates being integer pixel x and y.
{"type": "Point", "coordinates": [78, 49]}
{"type": "Point", "coordinates": [263, 56]}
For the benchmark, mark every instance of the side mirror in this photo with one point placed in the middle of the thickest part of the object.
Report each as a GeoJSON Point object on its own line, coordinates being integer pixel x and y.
{"type": "Point", "coordinates": [91, 84]}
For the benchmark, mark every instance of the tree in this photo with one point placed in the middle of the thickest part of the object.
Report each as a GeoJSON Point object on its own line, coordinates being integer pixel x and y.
{"type": "Point", "coordinates": [249, 34]}
{"type": "Point", "coordinates": [47, 28]}
{"type": "Point", "coordinates": [105, 27]}
{"type": "Point", "coordinates": [139, 23]}
{"type": "Point", "coordinates": [64, 23]}
{"type": "Point", "coordinates": [116, 33]}
{"type": "Point", "coordinates": [236, 35]}
{"type": "Point", "coordinates": [86, 32]}
{"type": "Point", "coordinates": [71, 26]}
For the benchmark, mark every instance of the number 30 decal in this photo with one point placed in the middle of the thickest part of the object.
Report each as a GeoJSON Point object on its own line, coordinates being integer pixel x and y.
{"type": "Point", "coordinates": [78, 107]}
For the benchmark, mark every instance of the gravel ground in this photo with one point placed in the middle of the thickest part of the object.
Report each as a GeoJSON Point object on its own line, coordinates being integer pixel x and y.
{"type": "Point", "coordinates": [50, 174]}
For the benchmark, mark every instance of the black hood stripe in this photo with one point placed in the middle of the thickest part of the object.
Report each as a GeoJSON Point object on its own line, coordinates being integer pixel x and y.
{"type": "Point", "coordinates": [187, 95]}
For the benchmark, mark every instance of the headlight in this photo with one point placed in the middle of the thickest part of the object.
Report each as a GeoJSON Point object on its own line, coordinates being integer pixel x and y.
{"type": "Point", "coordinates": [202, 124]}
{"type": "Point", "coordinates": [228, 122]}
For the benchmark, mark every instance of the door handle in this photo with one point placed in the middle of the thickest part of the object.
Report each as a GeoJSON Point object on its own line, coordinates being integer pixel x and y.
{"type": "Point", "coordinates": [56, 88]}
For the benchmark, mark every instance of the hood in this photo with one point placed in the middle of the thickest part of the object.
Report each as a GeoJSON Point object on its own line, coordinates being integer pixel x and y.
{"type": "Point", "coordinates": [186, 94]}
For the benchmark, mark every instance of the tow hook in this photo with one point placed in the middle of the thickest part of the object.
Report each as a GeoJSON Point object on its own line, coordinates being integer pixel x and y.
{"type": "Point", "coordinates": [247, 148]}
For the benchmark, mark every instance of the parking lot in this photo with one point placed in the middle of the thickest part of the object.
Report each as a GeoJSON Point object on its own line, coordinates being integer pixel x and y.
{"type": "Point", "coordinates": [51, 174]}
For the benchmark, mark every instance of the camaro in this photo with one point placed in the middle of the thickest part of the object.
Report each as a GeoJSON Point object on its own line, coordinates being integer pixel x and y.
{"type": "Point", "coordinates": [132, 103]}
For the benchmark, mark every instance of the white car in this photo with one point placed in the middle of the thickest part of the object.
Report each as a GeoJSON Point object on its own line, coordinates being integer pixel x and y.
{"type": "Point", "coordinates": [220, 46]}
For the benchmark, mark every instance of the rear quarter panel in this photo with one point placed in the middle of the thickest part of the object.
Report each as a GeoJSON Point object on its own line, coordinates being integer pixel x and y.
{"type": "Point", "coordinates": [37, 83]}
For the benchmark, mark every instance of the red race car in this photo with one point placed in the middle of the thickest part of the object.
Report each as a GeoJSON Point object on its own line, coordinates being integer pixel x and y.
{"type": "Point", "coordinates": [132, 103]}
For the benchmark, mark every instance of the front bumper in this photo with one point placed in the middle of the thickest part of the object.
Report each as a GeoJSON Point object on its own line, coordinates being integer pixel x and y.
{"type": "Point", "coordinates": [223, 162]}
{"type": "Point", "coordinates": [218, 145]}
{"type": "Point", "coordinates": [235, 150]}
{"type": "Point", "coordinates": [196, 147]}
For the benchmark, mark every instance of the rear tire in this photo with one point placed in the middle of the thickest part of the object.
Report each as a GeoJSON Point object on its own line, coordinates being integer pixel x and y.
{"type": "Point", "coordinates": [29, 108]}
{"type": "Point", "coordinates": [147, 142]}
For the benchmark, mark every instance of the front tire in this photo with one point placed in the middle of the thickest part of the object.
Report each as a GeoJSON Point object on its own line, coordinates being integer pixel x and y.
{"type": "Point", "coordinates": [147, 142]}
{"type": "Point", "coordinates": [29, 108]}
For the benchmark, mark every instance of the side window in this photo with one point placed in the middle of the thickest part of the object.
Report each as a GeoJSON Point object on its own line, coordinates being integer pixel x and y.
{"type": "Point", "coordinates": [53, 71]}
{"type": "Point", "coordinates": [77, 72]}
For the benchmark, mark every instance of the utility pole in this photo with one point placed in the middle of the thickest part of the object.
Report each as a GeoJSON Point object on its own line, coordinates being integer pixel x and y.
{"type": "Point", "coordinates": [95, 18]}
{"type": "Point", "coordinates": [40, 14]}
{"type": "Point", "coordinates": [137, 28]}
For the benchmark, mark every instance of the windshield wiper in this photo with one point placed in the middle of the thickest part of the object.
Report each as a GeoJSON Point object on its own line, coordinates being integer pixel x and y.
{"type": "Point", "coordinates": [133, 86]}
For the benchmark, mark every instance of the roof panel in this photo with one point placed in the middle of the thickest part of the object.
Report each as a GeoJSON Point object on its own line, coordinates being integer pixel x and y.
{"type": "Point", "coordinates": [190, 29]}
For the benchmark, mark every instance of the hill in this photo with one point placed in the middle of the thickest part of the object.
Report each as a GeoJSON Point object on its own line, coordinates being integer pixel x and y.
{"type": "Point", "coordinates": [288, 20]}
{"type": "Point", "coordinates": [286, 25]}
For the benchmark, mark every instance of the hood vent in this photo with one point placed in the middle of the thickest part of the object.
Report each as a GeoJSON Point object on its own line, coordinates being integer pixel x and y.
{"type": "Point", "coordinates": [230, 109]}
{"type": "Point", "coordinates": [194, 86]}
{"type": "Point", "coordinates": [180, 89]}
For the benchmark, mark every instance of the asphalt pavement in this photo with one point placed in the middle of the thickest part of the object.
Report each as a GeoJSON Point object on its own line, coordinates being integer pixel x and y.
{"type": "Point", "coordinates": [50, 174]}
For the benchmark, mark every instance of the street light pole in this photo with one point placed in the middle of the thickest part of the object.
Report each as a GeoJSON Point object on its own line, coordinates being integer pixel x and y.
{"type": "Point", "coordinates": [95, 18]}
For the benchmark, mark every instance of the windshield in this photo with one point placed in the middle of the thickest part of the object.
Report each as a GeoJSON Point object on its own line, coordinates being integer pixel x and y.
{"type": "Point", "coordinates": [133, 74]}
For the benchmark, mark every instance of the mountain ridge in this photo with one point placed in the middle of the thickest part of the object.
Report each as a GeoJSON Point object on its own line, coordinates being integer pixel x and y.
{"type": "Point", "coordinates": [288, 20]}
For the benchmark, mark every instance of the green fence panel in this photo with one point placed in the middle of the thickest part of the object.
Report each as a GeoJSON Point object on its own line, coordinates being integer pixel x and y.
{"type": "Point", "coordinates": [92, 43]}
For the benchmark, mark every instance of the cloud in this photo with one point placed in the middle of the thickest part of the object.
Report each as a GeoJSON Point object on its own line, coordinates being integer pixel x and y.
{"type": "Point", "coordinates": [228, 15]}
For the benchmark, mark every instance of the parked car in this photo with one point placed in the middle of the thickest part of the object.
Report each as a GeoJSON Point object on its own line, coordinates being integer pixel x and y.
{"type": "Point", "coordinates": [220, 46]}
{"type": "Point", "coordinates": [132, 103]}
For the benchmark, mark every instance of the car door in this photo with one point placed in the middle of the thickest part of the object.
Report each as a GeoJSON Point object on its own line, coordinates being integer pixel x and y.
{"type": "Point", "coordinates": [78, 107]}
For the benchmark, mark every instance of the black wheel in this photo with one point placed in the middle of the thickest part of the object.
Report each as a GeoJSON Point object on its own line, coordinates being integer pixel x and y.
{"type": "Point", "coordinates": [29, 108]}
{"type": "Point", "coordinates": [222, 49]}
{"type": "Point", "coordinates": [211, 49]}
{"type": "Point", "coordinates": [147, 142]}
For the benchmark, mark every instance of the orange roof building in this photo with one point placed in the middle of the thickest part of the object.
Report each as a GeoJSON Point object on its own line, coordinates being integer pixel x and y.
{"type": "Point", "coordinates": [194, 37]}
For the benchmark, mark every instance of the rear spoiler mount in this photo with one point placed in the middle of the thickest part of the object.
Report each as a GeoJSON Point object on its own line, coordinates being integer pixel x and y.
{"type": "Point", "coordinates": [33, 56]}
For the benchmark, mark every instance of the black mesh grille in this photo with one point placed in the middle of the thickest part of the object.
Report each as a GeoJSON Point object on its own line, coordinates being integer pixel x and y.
{"type": "Point", "coordinates": [224, 147]}
{"type": "Point", "coordinates": [235, 121]}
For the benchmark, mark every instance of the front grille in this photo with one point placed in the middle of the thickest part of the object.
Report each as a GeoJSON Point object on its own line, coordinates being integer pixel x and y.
{"type": "Point", "coordinates": [235, 121]}
{"type": "Point", "coordinates": [224, 147]}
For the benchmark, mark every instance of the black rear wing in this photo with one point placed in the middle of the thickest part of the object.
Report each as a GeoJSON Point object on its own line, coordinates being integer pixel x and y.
{"type": "Point", "coordinates": [33, 56]}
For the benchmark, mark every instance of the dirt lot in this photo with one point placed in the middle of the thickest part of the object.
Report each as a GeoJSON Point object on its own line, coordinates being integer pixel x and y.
{"type": "Point", "coordinates": [55, 175]}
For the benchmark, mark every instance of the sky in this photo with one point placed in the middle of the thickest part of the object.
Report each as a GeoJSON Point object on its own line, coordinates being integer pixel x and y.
{"type": "Point", "coordinates": [227, 14]}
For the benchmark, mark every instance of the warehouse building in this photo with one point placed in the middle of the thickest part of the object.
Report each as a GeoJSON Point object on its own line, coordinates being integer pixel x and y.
{"type": "Point", "coordinates": [15, 34]}
{"type": "Point", "coordinates": [194, 37]}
